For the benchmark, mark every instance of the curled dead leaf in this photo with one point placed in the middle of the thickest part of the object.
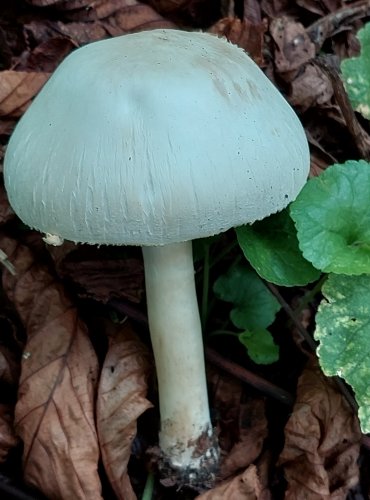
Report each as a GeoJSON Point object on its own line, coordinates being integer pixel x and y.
{"type": "Point", "coordinates": [252, 432]}
{"type": "Point", "coordinates": [83, 10]}
{"type": "Point", "coordinates": [245, 486]}
{"type": "Point", "coordinates": [121, 400]}
{"type": "Point", "coordinates": [242, 424]}
{"type": "Point", "coordinates": [46, 56]}
{"type": "Point", "coordinates": [105, 280]}
{"type": "Point", "coordinates": [135, 17]}
{"type": "Point", "coordinates": [293, 47]}
{"type": "Point", "coordinates": [101, 274]}
{"type": "Point", "coordinates": [122, 278]}
{"type": "Point", "coordinates": [17, 88]}
{"type": "Point", "coordinates": [312, 87]}
{"type": "Point", "coordinates": [195, 13]}
{"type": "Point", "coordinates": [79, 32]}
{"type": "Point", "coordinates": [322, 441]}
{"type": "Point", "coordinates": [320, 8]}
{"type": "Point", "coordinates": [170, 5]}
{"type": "Point", "coordinates": [245, 34]}
{"type": "Point", "coordinates": [39, 31]}
{"type": "Point", "coordinates": [54, 414]}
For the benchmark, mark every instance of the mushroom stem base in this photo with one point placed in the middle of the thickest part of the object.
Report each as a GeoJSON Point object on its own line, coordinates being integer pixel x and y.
{"type": "Point", "coordinates": [201, 473]}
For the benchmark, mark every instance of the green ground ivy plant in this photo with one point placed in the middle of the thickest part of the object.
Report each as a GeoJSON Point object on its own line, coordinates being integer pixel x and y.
{"type": "Point", "coordinates": [325, 230]}
{"type": "Point", "coordinates": [332, 217]}
{"type": "Point", "coordinates": [253, 310]}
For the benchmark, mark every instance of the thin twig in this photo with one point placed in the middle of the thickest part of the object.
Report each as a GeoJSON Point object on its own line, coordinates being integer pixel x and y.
{"type": "Point", "coordinates": [249, 377]}
{"type": "Point", "coordinates": [302, 331]}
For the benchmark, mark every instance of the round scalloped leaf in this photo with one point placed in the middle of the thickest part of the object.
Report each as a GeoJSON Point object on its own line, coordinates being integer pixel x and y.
{"type": "Point", "coordinates": [332, 217]}
{"type": "Point", "coordinates": [271, 247]}
{"type": "Point", "coordinates": [260, 346]}
{"type": "Point", "coordinates": [343, 330]}
{"type": "Point", "coordinates": [356, 75]}
{"type": "Point", "coordinates": [254, 305]}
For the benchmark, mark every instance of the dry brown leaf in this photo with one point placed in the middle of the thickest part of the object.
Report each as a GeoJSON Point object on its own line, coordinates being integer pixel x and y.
{"type": "Point", "coordinates": [82, 33]}
{"type": "Point", "coordinates": [44, 3]}
{"type": "Point", "coordinates": [81, 10]}
{"type": "Point", "coordinates": [79, 4]}
{"type": "Point", "coordinates": [227, 395]}
{"type": "Point", "coordinates": [252, 11]}
{"type": "Point", "coordinates": [242, 424]}
{"type": "Point", "coordinates": [245, 34]}
{"type": "Point", "coordinates": [170, 5]}
{"type": "Point", "coordinates": [311, 88]}
{"type": "Point", "coordinates": [100, 273]}
{"type": "Point", "coordinates": [121, 400]}
{"type": "Point", "coordinates": [55, 410]}
{"type": "Point", "coordinates": [75, 10]}
{"type": "Point", "coordinates": [46, 56]}
{"type": "Point", "coordinates": [293, 47]}
{"type": "Point", "coordinates": [135, 17]}
{"type": "Point", "coordinates": [321, 8]}
{"type": "Point", "coordinates": [275, 8]}
{"type": "Point", "coordinates": [106, 279]}
{"type": "Point", "coordinates": [8, 439]}
{"type": "Point", "coordinates": [252, 426]}
{"type": "Point", "coordinates": [246, 486]}
{"type": "Point", "coordinates": [17, 88]}
{"type": "Point", "coordinates": [188, 13]}
{"type": "Point", "coordinates": [78, 33]}
{"type": "Point", "coordinates": [322, 441]}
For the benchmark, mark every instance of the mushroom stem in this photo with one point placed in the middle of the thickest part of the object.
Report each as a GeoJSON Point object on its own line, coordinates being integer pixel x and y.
{"type": "Point", "coordinates": [186, 436]}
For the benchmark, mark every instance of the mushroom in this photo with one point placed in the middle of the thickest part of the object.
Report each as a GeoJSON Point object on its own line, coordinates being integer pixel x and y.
{"type": "Point", "coordinates": [155, 139]}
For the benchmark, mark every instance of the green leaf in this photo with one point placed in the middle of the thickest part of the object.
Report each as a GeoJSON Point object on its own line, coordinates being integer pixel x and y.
{"type": "Point", "coordinates": [343, 329]}
{"type": "Point", "coordinates": [255, 305]}
{"type": "Point", "coordinates": [260, 346]}
{"type": "Point", "coordinates": [332, 217]}
{"type": "Point", "coordinates": [271, 247]}
{"type": "Point", "coordinates": [356, 75]}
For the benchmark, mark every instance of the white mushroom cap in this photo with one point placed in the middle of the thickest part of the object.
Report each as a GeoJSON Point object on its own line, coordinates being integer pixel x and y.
{"type": "Point", "coordinates": [154, 138]}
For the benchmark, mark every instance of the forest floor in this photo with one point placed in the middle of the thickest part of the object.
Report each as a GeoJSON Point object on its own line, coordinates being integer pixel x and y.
{"type": "Point", "coordinates": [285, 430]}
